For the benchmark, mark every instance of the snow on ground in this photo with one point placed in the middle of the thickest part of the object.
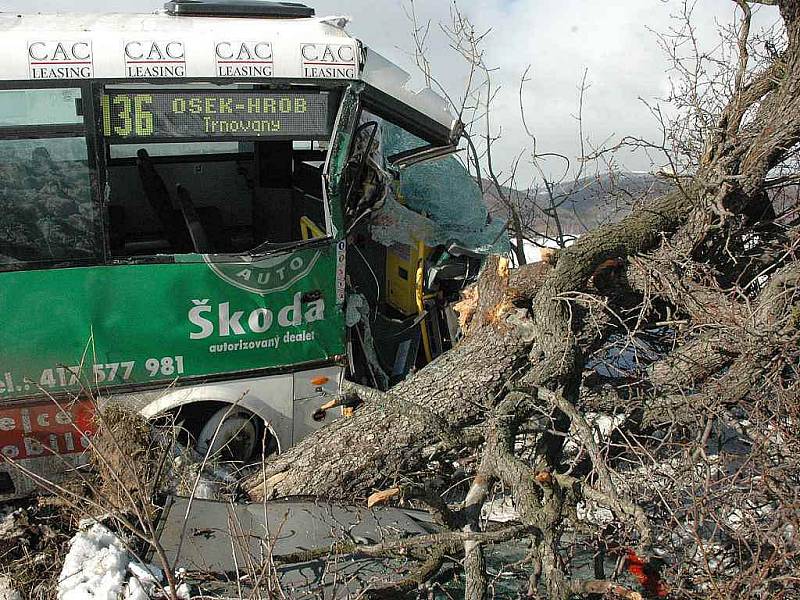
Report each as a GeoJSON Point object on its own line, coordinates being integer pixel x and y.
{"type": "Point", "coordinates": [99, 567]}
{"type": "Point", "coordinates": [591, 512]}
{"type": "Point", "coordinates": [500, 510]}
{"type": "Point", "coordinates": [536, 252]}
{"type": "Point", "coordinates": [95, 566]}
{"type": "Point", "coordinates": [7, 591]}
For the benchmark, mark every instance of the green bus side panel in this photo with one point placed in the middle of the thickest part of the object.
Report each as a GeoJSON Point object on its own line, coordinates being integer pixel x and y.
{"type": "Point", "coordinates": [133, 324]}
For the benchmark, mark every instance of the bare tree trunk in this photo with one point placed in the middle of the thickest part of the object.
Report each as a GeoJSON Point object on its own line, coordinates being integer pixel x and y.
{"type": "Point", "coordinates": [398, 432]}
{"type": "Point", "coordinates": [519, 237]}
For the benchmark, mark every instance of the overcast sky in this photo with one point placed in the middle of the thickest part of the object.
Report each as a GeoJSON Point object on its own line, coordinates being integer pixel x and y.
{"type": "Point", "coordinates": [558, 38]}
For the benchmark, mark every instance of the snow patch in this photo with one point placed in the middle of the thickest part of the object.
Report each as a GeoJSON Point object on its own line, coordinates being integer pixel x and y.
{"type": "Point", "coordinates": [602, 427]}
{"type": "Point", "coordinates": [7, 591]}
{"type": "Point", "coordinates": [789, 534]}
{"type": "Point", "coordinates": [136, 591]}
{"type": "Point", "coordinates": [605, 424]}
{"type": "Point", "coordinates": [206, 490]}
{"type": "Point", "coordinates": [95, 566]}
{"type": "Point", "coordinates": [98, 566]}
{"type": "Point", "coordinates": [591, 512]}
{"type": "Point", "coordinates": [500, 510]}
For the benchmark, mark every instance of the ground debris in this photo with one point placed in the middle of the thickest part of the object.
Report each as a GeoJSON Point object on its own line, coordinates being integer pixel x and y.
{"type": "Point", "coordinates": [7, 589]}
{"type": "Point", "coordinates": [33, 541]}
{"type": "Point", "coordinates": [125, 456]}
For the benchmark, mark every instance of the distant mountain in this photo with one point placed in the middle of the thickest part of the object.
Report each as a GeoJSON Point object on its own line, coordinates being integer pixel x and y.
{"type": "Point", "coordinates": [580, 205]}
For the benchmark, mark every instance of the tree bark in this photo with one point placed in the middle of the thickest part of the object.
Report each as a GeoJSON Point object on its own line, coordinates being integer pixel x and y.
{"type": "Point", "coordinates": [396, 432]}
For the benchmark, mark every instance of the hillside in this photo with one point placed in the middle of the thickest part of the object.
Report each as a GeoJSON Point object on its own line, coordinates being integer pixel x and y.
{"type": "Point", "coordinates": [581, 204]}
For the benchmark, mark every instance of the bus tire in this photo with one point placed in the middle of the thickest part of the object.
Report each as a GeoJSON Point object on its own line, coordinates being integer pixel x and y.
{"type": "Point", "coordinates": [230, 434]}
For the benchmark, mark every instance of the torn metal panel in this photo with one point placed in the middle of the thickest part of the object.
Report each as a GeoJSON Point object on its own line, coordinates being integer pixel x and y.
{"type": "Point", "coordinates": [337, 157]}
{"type": "Point", "coordinates": [358, 312]}
{"type": "Point", "coordinates": [425, 113]}
{"type": "Point", "coordinates": [223, 539]}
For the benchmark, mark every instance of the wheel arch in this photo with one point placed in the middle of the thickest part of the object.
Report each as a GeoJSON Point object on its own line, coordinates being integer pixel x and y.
{"type": "Point", "coordinates": [270, 399]}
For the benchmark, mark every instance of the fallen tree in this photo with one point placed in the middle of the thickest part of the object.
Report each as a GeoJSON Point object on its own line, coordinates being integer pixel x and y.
{"type": "Point", "coordinates": [691, 304]}
{"type": "Point", "coordinates": [400, 431]}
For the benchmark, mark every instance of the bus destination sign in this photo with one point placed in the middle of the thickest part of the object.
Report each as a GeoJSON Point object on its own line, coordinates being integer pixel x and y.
{"type": "Point", "coordinates": [214, 115]}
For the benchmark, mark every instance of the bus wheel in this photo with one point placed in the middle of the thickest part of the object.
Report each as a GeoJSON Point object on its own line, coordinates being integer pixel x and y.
{"type": "Point", "coordinates": [230, 434]}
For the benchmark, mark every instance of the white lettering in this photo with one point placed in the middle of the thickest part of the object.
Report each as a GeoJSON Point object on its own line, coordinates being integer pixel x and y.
{"type": "Point", "coordinates": [33, 447]}
{"type": "Point", "coordinates": [229, 322]}
{"type": "Point", "coordinates": [260, 320]}
{"type": "Point", "coordinates": [316, 312]}
{"type": "Point", "coordinates": [63, 418]}
{"type": "Point", "coordinates": [232, 322]}
{"type": "Point", "coordinates": [284, 318]}
{"type": "Point", "coordinates": [10, 451]}
{"type": "Point", "coordinates": [196, 318]}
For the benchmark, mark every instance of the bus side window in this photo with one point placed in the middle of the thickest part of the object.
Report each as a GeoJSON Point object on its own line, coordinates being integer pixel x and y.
{"type": "Point", "coordinates": [239, 195]}
{"type": "Point", "coordinates": [45, 189]}
{"type": "Point", "coordinates": [246, 184]}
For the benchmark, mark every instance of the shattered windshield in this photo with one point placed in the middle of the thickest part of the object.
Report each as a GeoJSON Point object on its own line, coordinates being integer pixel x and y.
{"type": "Point", "coordinates": [438, 200]}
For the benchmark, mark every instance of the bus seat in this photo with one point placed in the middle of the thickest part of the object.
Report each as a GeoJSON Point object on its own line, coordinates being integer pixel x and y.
{"type": "Point", "coordinates": [116, 229]}
{"type": "Point", "coordinates": [214, 225]}
{"type": "Point", "coordinates": [192, 219]}
{"type": "Point", "coordinates": [158, 197]}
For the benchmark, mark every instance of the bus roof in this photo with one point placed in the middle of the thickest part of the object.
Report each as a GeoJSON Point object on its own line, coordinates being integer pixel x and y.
{"type": "Point", "coordinates": [110, 42]}
{"type": "Point", "coordinates": [129, 47]}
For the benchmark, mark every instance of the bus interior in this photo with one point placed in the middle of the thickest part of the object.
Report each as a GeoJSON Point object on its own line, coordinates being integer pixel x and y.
{"type": "Point", "coordinates": [179, 198]}
{"type": "Point", "coordinates": [213, 197]}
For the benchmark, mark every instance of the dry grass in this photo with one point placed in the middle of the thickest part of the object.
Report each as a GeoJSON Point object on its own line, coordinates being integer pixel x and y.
{"type": "Point", "coordinates": [34, 538]}
{"type": "Point", "coordinates": [125, 457]}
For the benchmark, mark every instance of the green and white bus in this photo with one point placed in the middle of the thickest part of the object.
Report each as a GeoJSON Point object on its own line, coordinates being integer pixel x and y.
{"type": "Point", "coordinates": [213, 205]}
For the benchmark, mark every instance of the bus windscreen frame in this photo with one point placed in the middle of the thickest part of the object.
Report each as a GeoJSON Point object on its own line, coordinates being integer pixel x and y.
{"type": "Point", "coordinates": [140, 115]}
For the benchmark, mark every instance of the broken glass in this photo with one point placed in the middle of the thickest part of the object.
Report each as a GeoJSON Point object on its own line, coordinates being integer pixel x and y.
{"type": "Point", "coordinates": [437, 202]}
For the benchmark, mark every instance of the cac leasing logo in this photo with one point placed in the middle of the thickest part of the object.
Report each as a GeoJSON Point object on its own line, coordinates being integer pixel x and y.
{"type": "Point", "coordinates": [267, 275]}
